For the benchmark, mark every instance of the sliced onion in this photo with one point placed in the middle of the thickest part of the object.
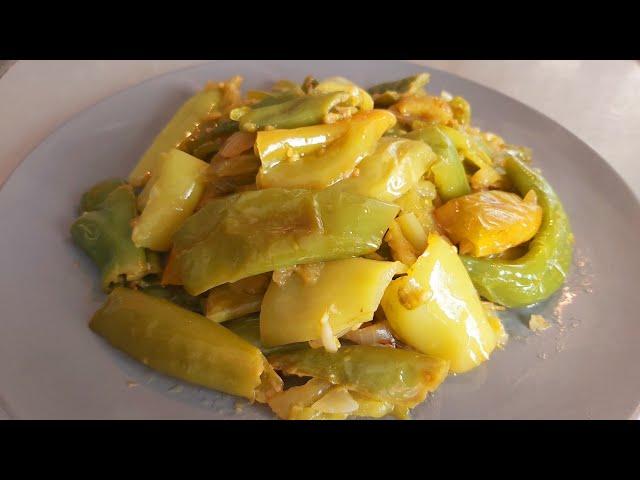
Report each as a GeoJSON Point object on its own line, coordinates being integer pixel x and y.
{"type": "Point", "coordinates": [237, 143]}
{"type": "Point", "coordinates": [336, 400]}
{"type": "Point", "coordinates": [378, 334]}
{"type": "Point", "coordinates": [303, 395]}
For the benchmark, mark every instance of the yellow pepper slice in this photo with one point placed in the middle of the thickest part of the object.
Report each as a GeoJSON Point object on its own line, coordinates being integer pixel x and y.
{"type": "Point", "coordinates": [347, 291]}
{"type": "Point", "coordinates": [436, 310]}
{"type": "Point", "coordinates": [490, 222]}
{"type": "Point", "coordinates": [358, 97]}
{"type": "Point", "coordinates": [318, 156]}
{"type": "Point", "coordinates": [424, 107]}
{"type": "Point", "coordinates": [172, 196]}
{"type": "Point", "coordinates": [396, 165]}
{"type": "Point", "coordinates": [184, 122]}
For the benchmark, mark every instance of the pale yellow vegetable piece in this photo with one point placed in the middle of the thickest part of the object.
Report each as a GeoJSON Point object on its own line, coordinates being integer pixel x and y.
{"type": "Point", "coordinates": [424, 107]}
{"type": "Point", "coordinates": [307, 157]}
{"type": "Point", "coordinates": [401, 249]}
{"type": "Point", "coordinates": [183, 123]}
{"type": "Point", "coordinates": [413, 231]}
{"type": "Point", "coordinates": [436, 310]}
{"type": "Point", "coordinates": [469, 148]}
{"type": "Point", "coordinates": [488, 177]}
{"type": "Point", "coordinates": [502, 337]}
{"type": "Point", "coordinates": [407, 235]}
{"type": "Point", "coordinates": [301, 396]}
{"type": "Point", "coordinates": [396, 165]}
{"type": "Point", "coordinates": [368, 407]}
{"type": "Point", "coordinates": [339, 403]}
{"type": "Point", "coordinates": [345, 294]}
{"type": "Point", "coordinates": [336, 400]}
{"type": "Point", "coordinates": [320, 400]}
{"type": "Point", "coordinates": [308, 413]}
{"type": "Point", "coordinates": [357, 96]}
{"type": "Point", "coordinates": [172, 198]}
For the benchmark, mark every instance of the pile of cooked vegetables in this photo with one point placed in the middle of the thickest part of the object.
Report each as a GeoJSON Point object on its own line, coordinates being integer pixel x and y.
{"type": "Point", "coordinates": [322, 231]}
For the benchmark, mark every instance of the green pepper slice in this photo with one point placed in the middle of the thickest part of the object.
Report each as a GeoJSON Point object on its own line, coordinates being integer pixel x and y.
{"type": "Point", "coordinates": [183, 344]}
{"type": "Point", "coordinates": [448, 173]}
{"type": "Point", "coordinates": [296, 112]}
{"type": "Point", "coordinates": [403, 377]}
{"type": "Point", "coordinates": [183, 124]}
{"type": "Point", "coordinates": [543, 269]}
{"type": "Point", "coordinates": [259, 231]}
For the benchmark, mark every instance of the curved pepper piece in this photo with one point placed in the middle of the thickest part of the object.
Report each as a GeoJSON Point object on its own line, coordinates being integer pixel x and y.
{"type": "Point", "coordinates": [183, 344]}
{"type": "Point", "coordinates": [489, 223]}
{"type": "Point", "coordinates": [347, 291]}
{"type": "Point", "coordinates": [385, 94]}
{"type": "Point", "coordinates": [423, 108]}
{"type": "Point", "coordinates": [448, 173]}
{"type": "Point", "coordinates": [396, 165]}
{"type": "Point", "coordinates": [436, 310]}
{"type": "Point", "coordinates": [259, 231]}
{"type": "Point", "coordinates": [402, 377]}
{"type": "Point", "coordinates": [183, 124]}
{"type": "Point", "coordinates": [294, 113]}
{"type": "Point", "coordinates": [358, 97]}
{"type": "Point", "coordinates": [319, 156]}
{"type": "Point", "coordinates": [168, 199]}
{"type": "Point", "coordinates": [469, 146]}
{"type": "Point", "coordinates": [103, 231]}
{"type": "Point", "coordinates": [208, 137]}
{"type": "Point", "coordinates": [543, 269]}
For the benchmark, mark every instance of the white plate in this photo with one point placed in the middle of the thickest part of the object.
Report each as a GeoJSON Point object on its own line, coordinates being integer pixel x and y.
{"type": "Point", "coordinates": [53, 366]}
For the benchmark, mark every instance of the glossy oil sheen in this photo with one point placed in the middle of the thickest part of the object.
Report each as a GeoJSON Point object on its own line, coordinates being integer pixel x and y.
{"type": "Point", "coordinates": [348, 290]}
{"type": "Point", "coordinates": [449, 322]}
{"type": "Point", "coordinates": [172, 198]}
{"type": "Point", "coordinates": [53, 366]}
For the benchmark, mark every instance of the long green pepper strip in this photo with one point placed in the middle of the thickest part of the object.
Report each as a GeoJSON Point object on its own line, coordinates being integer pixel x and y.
{"type": "Point", "coordinates": [448, 173]}
{"type": "Point", "coordinates": [183, 344]}
{"type": "Point", "coordinates": [277, 98]}
{"type": "Point", "coordinates": [294, 113]}
{"type": "Point", "coordinates": [183, 124]}
{"type": "Point", "coordinates": [403, 377]}
{"type": "Point", "coordinates": [259, 231]}
{"type": "Point", "coordinates": [543, 269]}
{"type": "Point", "coordinates": [385, 94]}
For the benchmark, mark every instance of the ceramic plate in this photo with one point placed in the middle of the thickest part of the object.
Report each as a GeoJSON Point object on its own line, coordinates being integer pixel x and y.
{"type": "Point", "coordinates": [53, 367]}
